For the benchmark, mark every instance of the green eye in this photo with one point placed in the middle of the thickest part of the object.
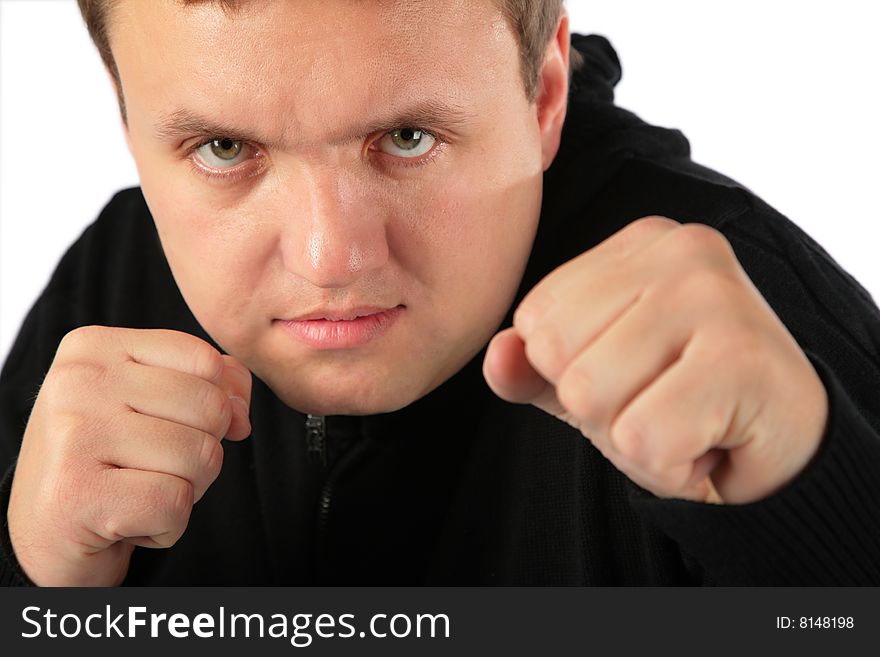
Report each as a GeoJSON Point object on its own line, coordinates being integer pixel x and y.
{"type": "Point", "coordinates": [225, 148]}
{"type": "Point", "coordinates": [407, 142]}
{"type": "Point", "coordinates": [223, 153]}
{"type": "Point", "coordinates": [407, 138]}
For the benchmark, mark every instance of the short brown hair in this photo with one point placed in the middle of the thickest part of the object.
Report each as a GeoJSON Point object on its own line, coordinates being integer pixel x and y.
{"type": "Point", "coordinates": [533, 22]}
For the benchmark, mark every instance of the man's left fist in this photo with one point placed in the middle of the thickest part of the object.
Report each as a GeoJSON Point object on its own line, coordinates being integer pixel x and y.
{"type": "Point", "coordinates": [658, 348]}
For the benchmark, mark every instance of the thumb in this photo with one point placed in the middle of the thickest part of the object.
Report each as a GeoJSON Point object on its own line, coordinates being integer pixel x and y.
{"type": "Point", "coordinates": [511, 376]}
{"type": "Point", "coordinates": [236, 381]}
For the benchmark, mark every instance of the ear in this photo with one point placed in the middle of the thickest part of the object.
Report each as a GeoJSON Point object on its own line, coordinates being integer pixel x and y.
{"type": "Point", "coordinates": [552, 97]}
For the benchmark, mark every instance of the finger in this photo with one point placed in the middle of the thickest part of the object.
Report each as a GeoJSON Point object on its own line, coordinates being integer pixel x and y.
{"type": "Point", "coordinates": [615, 367]}
{"type": "Point", "coordinates": [635, 237]}
{"type": "Point", "coordinates": [236, 379]}
{"type": "Point", "coordinates": [175, 396]}
{"type": "Point", "coordinates": [697, 485]}
{"type": "Point", "coordinates": [155, 445]}
{"type": "Point", "coordinates": [135, 503]}
{"type": "Point", "coordinates": [572, 325]}
{"type": "Point", "coordinates": [701, 472]}
{"type": "Point", "coordinates": [511, 377]}
{"type": "Point", "coordinates": [236, 382]}
{"type": "Point", "coordinates": [597, 293]}
{"type": "Point", "coordinates": [161, 348]}
{"type": "Point", "coordinates": [680, 417]}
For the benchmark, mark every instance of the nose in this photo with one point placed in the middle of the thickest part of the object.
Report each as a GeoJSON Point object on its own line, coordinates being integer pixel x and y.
{"type": "Point", "coordinates": [333, 234]}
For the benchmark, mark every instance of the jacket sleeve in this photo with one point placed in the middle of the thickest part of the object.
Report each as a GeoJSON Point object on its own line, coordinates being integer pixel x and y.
{"type": "Point", "coordinates": [823, 528]}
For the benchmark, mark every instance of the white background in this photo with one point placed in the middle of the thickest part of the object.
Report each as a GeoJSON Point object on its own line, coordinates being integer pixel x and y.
{"type": "Point", "coordinates": [779, 94]}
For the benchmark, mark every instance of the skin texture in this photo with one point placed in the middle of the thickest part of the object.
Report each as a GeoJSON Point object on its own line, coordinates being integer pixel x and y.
{"type": "Point", "coordinates": [123, 439]}
{"type": "Point", "coordinates": [679, 372]}
{"type": "Point", "coordinates": [125, 435]}
{"type": "Point", "coordinates": [327, 220]}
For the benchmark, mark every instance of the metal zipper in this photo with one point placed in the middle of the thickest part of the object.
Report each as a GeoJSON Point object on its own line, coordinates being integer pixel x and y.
{"type": "Point", "coordinates": [326, 495]}
{"type": "Point", "coordinates": [316, 430]}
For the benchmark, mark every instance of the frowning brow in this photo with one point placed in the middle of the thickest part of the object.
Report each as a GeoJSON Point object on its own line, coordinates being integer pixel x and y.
{"type": "Point", "coordinates": [183, 124]}
{"type": "Point", "coordinates": [424, 114]}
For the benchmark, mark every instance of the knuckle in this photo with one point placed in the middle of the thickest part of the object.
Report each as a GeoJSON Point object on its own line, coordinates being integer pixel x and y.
{"type": "Point", "coordinates": [163, 503]}
{"type": "Point", "coordinates": [707, 286]}
{"type": "Point", "coordinates": [80, 338]}
{"type": "Point", "coordinates": [179, 509]}
{"type": "Point", "coordinates": [113, 528]}
{"type": "Point", "coordinates": [240, 378]}
{"type": "Point", "coordinates": [577, 394]}
{"type": "Point", "coordinates": [67, 378]}
{"type": "Point", "coordinates": [699, 239]}
{"type": "Point", "coordinates": [57, 386]}
{"type": "Point", "coordinates": [216, 408]}
{"type": "Point", "coordinates": [528, 314]}
{"type": "Point", "coordinates": [169, 538]}
{"type": "Point", "coordinates": [546, 351]}
{"type": "Point", "coordinates": [674, 480]}
{"type": "Point", "coordinates": [522, 316]}
{"type": "Point", "coordinates": [210, 457]}
{"type": "Point", "coordinates": [207, 361]}
{"type": "Point", "coordinates": [180, 501]}
{"type": "Point", "coordinates": [650, 225]}
{"type": "Point", "coordinates": [659, 456]}
{"type": "Point", "coordinates": [62, 392]}
{"type": "Point", "coordinates": [630, 440]}
{"type": "Point", "coordinates": [172, 501]}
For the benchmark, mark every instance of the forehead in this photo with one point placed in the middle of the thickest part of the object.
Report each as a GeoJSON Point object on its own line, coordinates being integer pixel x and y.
{"type": "Point", "coordinates": [307, 62]}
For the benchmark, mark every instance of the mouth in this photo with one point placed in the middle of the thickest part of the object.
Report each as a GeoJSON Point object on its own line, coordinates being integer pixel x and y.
{"type": "Point", "coordinates": [342, 315]}
{"type": "Point", "coordinates": [345, 328]}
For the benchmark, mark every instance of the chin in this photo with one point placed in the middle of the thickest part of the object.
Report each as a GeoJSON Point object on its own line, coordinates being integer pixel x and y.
{"type": "Point", "coordinates": [335, 403]}
{"type": "Point", "coordinates": [368, 396]}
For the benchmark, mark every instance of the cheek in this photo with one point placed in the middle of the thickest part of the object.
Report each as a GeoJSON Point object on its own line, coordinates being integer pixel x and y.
{"type": "Point", "coordinates": [472, 242]}
{"type": "Point", "coordinates": [217, 256]}
{"type": "Point", "coordinates": [488, 211]}
{"type": "Point", "coordinates": [478, 224]}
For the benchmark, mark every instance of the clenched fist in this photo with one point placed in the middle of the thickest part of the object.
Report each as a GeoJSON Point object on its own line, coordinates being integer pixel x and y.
{"type": "Point", "coordinates": [123, 439]}
{"type": "Point", "coordinates": [658, 348]}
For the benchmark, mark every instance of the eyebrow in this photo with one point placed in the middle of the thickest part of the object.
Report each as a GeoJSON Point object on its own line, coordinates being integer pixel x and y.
{"type": "Point", "coordinates": [424, 114]}
{"type": "Point", "coordinates": [182, 123]}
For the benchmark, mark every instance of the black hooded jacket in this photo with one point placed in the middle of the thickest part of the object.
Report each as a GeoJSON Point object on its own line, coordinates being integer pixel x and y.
{"type": "Point", "coordinates": [461, 487]}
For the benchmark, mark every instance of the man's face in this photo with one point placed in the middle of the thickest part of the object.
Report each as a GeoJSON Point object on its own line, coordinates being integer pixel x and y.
{"type": "Point", "coordinates": [357, 157]}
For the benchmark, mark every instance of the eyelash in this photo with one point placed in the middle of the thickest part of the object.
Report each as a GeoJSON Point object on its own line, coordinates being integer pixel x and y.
{"type": "Point", "coordinates": [231, 175]}
{"type": "Point", "coordinates": [410, 163]}
{"type": "Point", "coordinates": [240, 172]}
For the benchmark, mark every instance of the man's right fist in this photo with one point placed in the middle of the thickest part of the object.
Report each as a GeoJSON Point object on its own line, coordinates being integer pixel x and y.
{"type": "Point", "coordinates": [123, 439]}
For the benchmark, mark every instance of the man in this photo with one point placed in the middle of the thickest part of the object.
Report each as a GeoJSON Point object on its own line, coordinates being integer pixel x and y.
{"type": "Point", "coordinates": [400, 217]}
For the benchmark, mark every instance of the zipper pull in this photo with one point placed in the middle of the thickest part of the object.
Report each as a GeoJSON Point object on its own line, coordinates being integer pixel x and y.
{"type": "Point", "coordinates": [315, 432]}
